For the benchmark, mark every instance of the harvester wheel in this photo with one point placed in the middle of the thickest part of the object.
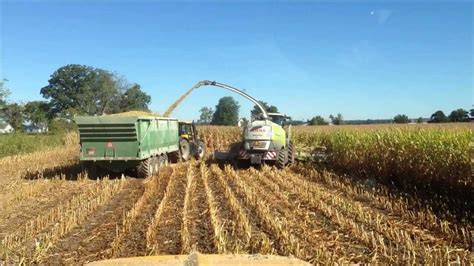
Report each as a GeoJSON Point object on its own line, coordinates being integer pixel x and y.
{"type": "Point", "coordinates": [201, 150]}
{"type": "Point", "coordinates": [185, 149]}
{"type": "Point", "coordinates": [291, 153]}
{"type": "Point", "coordinates": [145, 168]}
{"type": "Point", "coordinates": [282, 158]}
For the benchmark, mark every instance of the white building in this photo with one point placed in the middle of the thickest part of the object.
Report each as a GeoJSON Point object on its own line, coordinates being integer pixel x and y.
{"type": "Point", "coordinates": [5, 128]}
{"type": "Point", "coordinates": [35, 129]}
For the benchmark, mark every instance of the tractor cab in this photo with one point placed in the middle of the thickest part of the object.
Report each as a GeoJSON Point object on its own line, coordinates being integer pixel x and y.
{"type": "Point", "coordinates": [187, 130]}
{"type": "Point", "coordinates": [189, 143]}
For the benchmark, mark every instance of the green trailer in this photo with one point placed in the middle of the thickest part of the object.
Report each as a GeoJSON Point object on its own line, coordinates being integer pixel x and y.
{"type": "Point", "coordinates": [122, 143]}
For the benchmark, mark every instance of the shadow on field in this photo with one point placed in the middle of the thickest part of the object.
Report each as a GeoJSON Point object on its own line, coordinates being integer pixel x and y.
{"type": "Point", "coordinates": [72, 172]}
{"type": "Point", "coordinates": [453, 202]}
{"type": "Point", "coordinates": [242, 165]}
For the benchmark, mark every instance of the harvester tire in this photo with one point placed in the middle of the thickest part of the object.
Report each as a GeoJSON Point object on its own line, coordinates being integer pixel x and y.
{"type": "Point", "coordinates": [281, 159]}
{"type": "Point", "coordinates": [291, 153]}
{"type": "Point", "coordinates": [202, 147]}
{"type": "Point", "coordinates": [185, 149]}
{"type": "Point", "coordinates": [145, 168]}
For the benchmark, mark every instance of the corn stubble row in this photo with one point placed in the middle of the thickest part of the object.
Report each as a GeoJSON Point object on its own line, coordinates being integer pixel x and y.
{"type": "Point", "coordinates": [31, 241]}
{"type": "Point", "coordinates": [312, 221]}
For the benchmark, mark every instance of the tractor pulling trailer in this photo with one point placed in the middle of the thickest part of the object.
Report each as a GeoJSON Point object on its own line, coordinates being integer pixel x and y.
{"type": "Point", "coordinates": [138, 143]}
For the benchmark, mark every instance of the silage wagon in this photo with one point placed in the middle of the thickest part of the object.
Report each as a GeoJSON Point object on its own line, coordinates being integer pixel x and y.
{"type": "Point", "coordinates": [122, 143]}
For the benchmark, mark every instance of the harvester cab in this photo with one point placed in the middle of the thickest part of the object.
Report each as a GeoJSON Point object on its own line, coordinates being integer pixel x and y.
{"type": "Point", "coordinates": [277, 118]}
{"type": "Point", "coordinates": [189, 143]}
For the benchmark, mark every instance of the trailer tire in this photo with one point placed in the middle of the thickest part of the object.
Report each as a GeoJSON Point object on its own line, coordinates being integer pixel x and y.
{"type": "Point", "coordinates": [185, 149]}
{"type": "Point", "coordinates": [164, 160]}
{"type": "Point", "coordinates": [144, 168]}
{"type": "Point", "coordinates": [156, 164]}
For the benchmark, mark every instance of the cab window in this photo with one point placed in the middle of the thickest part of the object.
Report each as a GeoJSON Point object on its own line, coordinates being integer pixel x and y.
{"type": "Point", "coordinates": [185, 129]}
{"type": "Point", "coordinates": [278, 120]}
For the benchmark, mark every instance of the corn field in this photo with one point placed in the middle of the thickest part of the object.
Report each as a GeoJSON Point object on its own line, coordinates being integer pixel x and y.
{"type": "Point", "coordinates": [321, 210]}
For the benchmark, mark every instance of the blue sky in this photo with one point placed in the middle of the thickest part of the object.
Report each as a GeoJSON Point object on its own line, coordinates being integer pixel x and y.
{"type": "Point", "coordinates": [369, 60]}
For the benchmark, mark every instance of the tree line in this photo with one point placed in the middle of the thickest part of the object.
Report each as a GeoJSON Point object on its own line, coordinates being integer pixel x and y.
{"type": "Point", "coordinates": [226, 112]}
{"type": "Point", "coordinates": [84, 90]}
{"type": "Point", "coordinates": [458, 115]}
{"type": "Point", "coordinates": [74, 90]}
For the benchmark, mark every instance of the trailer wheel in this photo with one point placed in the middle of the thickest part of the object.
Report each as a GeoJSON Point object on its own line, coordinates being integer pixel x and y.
{"type": "Point", "coordinates": [164, 160]}
{"type": "Point", "coordinates": [156, 164]}
{"type": "Point", "coordinates": [185, 149]}
{"type": "Point", "coordinates": [281, 160]}
{"type": "Point", "coordinates": [144, 168]}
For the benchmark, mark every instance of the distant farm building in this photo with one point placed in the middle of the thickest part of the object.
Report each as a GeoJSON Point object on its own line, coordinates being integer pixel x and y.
{"type": "Point", "coordinates": [35, 129]}
{"type": "Point", "coordinates": [5, 128]}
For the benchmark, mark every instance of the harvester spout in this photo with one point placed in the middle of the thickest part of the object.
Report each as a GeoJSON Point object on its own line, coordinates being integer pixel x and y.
{"type": "Point", "coordinates": [216, 84]}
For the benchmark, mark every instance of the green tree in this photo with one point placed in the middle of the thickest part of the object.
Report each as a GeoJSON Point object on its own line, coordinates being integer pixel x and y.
{"type": "Point", "coordinates": [37, 112]}
{"type": "Point", "coordinates": [83, 88]}
{"type": "Point", "coordinates": [61, 125]}
{"type": "Point", "coordinates": [419, 120]}
{"type": "Point", "coordinates": [438, 117]}
{"type": "Point", "coordinates": [4, 92]}
{"type": "Point", "coordinates": [13, 115]}
{"type": "Point", "coordinates": [459, 115]}
{"type": "Point", "coordinates": [472, 112]}
{"type": "Point", "coordinates": [337, 120]}
{"type": "Point", "coordinates": [206, 115]}
{"type": "Point", "coordinates": [317, 120]}
{"type": "Point", "coordinates": [227, 112]}
{"type": "Point", "coordinates": [269, 108]}
{"type": "Point", "coordinates": [401, 119]}
{"type": "Point", "coordinates": [134, 99]}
